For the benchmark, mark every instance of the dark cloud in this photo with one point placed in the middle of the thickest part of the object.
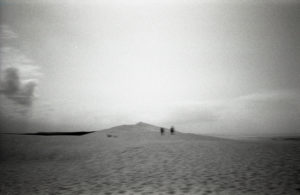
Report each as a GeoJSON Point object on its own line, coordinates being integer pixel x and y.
{"type": "Point", "coordinates": [12, 87]}
{"type": "Point", "coordinates": [11, 81]}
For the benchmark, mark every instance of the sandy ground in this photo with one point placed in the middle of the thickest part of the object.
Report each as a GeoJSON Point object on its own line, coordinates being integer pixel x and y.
{"type": "Point", "coordinates": [139, 161]}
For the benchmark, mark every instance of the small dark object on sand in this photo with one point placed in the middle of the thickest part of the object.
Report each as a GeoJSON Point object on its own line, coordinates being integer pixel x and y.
{"type": "Point", "coordinates": [109, 135]}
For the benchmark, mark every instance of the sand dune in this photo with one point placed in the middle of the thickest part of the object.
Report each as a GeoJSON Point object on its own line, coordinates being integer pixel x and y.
{"type": "Point", "coordinates": [138, 160]}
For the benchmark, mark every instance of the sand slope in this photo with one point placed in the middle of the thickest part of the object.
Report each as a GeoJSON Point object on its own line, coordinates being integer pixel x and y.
{"type": "Point", "coordinates": [138, 160]}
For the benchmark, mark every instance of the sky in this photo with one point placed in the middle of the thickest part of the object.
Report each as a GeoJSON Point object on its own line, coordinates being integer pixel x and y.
{"type": "Point", "coordinates": [210, 67]}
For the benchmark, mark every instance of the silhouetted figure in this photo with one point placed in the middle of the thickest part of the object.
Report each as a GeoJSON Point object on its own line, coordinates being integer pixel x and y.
{"type": "Point", "coordinates": [172, 130]}
{"type": "Point", "coordinates": [162, 131]}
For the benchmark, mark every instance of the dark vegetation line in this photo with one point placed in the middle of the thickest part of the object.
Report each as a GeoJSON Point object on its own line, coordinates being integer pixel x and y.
{"type": "Point", "coordinates": [76, 133]}
{"type": "Point", "coordinates": [287, 138]}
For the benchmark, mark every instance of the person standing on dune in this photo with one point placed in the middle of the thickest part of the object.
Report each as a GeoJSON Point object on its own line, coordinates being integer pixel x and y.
{"type": "Point", "coordinates": [172, 130]}
{"type": "Point", "coordinates": [162, 131]}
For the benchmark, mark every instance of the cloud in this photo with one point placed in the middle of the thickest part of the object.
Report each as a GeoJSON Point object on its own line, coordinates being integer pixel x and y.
{"type": "Point", "coordinates": [11, 81]}
{"type": "Point", "coordinates": [14, 89]}
{"type": "Point", "coordinates": [276, 112]}
{"type": "Point", "coordinates": [194, 112]}
{"type": "Point", "coordinates": [265, 113]}
{"type": "Point", "coordinates": [12, 57]}
{"type": "Point", "coordinates": [18, 72]}
{"type": "Point", "coordinates": [6, 33]}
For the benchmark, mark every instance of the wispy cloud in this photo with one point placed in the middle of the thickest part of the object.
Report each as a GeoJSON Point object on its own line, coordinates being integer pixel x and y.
{"type": "Point", "coordinates": [194, 112]}
{"type": "Point", "coordinates": [6, 33]}
{"type": "Point", "coordinates": [270, 112]}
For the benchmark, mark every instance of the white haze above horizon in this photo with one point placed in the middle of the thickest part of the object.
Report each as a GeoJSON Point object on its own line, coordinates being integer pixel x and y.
{"type": "Point", "coordinates": [212, 67]}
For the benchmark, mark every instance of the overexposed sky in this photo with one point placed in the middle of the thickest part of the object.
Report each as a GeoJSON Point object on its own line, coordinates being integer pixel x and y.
{"type": "Point", "coordinates": [220, 67]}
